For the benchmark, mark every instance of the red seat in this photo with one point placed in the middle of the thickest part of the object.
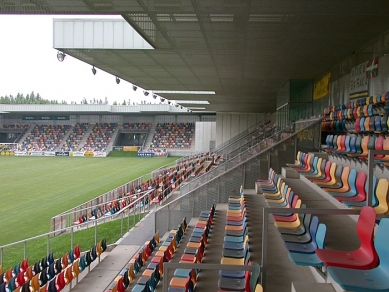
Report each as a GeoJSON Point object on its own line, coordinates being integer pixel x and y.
{"type": "Point", "coordinates": [365, 257]}
{"type": "Point", "coordinates": [360, 187]}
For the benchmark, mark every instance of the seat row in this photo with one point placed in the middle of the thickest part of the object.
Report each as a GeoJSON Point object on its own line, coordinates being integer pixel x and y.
{"type": "Point", "coordinates": [347, 185]}
{"type": "Point", "coordinates": [153, 263]}
{"type": "Point", "coordinates": [185, 279]}
{"type": "Point", "coordinates": [49, 274]}
{"type": "Point", "coordinates": [360, 269]}
{"type": "Point", "coordinates": [358, 146]}
{"type": "Point", "coordinates": [357, 106]}
{"type": "Point", "coordinates": [236, 250]}
{"type": "Point", "coordinates": [302, 233]}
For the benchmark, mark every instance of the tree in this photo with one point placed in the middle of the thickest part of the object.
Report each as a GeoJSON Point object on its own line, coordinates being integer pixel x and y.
{"type": "Point", "coordinates": [115, 103]}
{"type": "Point", "coordinates": [124, 102]}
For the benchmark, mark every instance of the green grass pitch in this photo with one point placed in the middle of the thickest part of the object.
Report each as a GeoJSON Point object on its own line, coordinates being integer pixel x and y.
{"type": "Point", "coordinates": [34, 189]}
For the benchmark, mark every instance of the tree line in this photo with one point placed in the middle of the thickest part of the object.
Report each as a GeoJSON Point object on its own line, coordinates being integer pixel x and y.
{"type": "Point", "coordinates": [31, 98]}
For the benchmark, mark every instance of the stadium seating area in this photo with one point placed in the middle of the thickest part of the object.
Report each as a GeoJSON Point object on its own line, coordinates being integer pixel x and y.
{"type": "Point", "coordinates": [15, 126]}
{"type": "Point", "coordinates": [73, 141]}
{"type": "Point", "coordinates": [51, 137]}
{"type": "Point", "coordinates": [45, 137]}
{"type": "Point", "coordinates": [136, 126]}
{"type": "Point", "coordinates": [100, 137]}
{"type": "Point", "coordinates": [171, 135]}
{"type": "Point", "coordinates": [49, 274]}
{"type": "Point", "coordinates": [304, 236]}
{"type": "Point", "coordinates": [361, 126]}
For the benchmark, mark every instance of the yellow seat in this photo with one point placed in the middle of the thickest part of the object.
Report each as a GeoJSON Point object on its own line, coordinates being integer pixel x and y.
{"type": "Point", "coordinates": [232, 261]}
{"type": "Point", "coordinates": [290, 225]}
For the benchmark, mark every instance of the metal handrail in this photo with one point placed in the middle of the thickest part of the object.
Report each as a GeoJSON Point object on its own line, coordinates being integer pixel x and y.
{"type": "Point", "coordinates": [71, 228]}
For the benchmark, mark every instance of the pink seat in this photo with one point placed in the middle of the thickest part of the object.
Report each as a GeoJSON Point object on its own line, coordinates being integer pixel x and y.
{"type": "Point", "coordinates": [365, 257]}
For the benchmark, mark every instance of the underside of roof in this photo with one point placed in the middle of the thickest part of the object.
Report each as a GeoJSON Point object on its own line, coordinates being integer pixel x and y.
{"type": "Point", "coordinates": [243, 50]}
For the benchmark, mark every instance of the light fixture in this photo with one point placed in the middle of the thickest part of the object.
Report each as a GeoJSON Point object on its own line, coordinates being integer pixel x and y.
{"type": "Point", "coordinates": [117, 80]}
{"type": "Point", "coordinates": [146, 93]}
{"type": "Point", "coordinates": [168, 102]}
{"type": "Point", "coordinates": [134, 87]}
{"type": "Point", "coordinates": [154, 96]}
{"type": "Point", "coordinates": [61, 56]}
{"type": "Point", "coordinates": [162, 99]}
{"type": "Point", "coordinates": [94, 70]}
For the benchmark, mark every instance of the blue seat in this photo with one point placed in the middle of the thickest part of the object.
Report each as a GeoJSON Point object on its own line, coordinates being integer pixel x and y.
{"type": "Point", "coordinates": [306, 247]}
{"type": "Point", "coordinates": [233, 239]}
{"type": "Point", "coordinates": [311, 259]}
{"type": "Point", "coordinates": [370, 280]}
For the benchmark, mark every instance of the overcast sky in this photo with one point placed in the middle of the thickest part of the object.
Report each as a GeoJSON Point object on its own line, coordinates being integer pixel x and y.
{"type": "Point", "coordinates": [28, 62]}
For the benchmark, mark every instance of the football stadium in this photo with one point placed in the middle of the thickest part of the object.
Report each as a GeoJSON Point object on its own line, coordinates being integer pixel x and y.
{"type": "Point", "coordinates": [258, 160]}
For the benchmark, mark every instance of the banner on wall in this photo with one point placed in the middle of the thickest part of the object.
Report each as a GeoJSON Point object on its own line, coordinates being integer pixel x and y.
{"type": "Point", "coordinates": [359, 85]}
{"type": "Point", "coordinates": [130, 148]}
{"type": "Point", "coordinates": [372, 68]}
{"type": "Point", "coordinates": [322, 87]}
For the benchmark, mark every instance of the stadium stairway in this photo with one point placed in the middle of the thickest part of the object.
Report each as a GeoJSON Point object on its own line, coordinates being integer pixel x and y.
{"type": "Point", "coordinates": [150, 136]}
{"type": "Point", "coordinates": [86, 135]}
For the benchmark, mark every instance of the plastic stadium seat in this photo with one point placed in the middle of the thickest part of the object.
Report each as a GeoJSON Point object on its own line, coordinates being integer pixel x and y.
{"type": "Point", "coordinates": [375, 279]}
{"type": "Point", "coordinates": [365, 257]}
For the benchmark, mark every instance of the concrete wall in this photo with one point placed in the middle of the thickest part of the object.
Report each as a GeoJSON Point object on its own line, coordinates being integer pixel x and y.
{"type": "Point", "coordinates": [204, 133]}
{"type": "Point", "coordinates": [230, 125]}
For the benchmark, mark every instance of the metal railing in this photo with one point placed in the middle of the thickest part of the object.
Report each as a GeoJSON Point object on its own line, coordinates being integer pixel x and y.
{"type": "Point", "coordinates": [137, 208]}
{"type": "Point", "coordinates": [240, 136]}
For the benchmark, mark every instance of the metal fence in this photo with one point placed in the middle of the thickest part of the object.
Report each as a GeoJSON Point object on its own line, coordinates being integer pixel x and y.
{"type": "Point", "coordinates": [67, 218]}
{"type": "Point", "coordinates": [70, 237]}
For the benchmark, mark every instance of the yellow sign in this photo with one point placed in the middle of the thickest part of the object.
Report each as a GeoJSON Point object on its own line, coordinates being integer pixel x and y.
{"type": "Point", "coordinates": [322, 87]}
{"type": "Point", "coordinates": [130, 148]}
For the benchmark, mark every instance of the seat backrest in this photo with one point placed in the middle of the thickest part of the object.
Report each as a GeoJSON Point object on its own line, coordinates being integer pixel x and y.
{"type": "Point", "coordinates": [60, 280]}
{"type": "Point", "coordinates": [332, 171]}
{"type": "Point", "coordinates": [379, 143]}
{"type": "Point", "coordinates": [329, 141]}
{"type": "Point", "coordinates": [353, 141]}
{"type": "Point", "coordinates": [360, 183]}
{"type": "Point", "coordinates": [321, 235]}
{"type": "Point", "coordinates": [76, 252]}
{"type": "Point", "coordinates": [69, 274]}
{"type": "Point", "coordinates": [352, 180]}
{"type": "Point", "coordinates": [371, 143]}
{"type": "Point", "coordinates": [254, 276]}
{"type": "Point", "coordinates": [338, 173]}
{"type": "Point", "coordinates": [358, 144]}
{"type": "Point", "coordinates": [381, 242]}
{"type": "Point", "coordinates": [382, 196]}
{"type": "Point", "coordinates": [365, 231]}
{"type": "Point", "coordinates": [384, 123]}
{"type": "Point", "coordinates": [327, 168]}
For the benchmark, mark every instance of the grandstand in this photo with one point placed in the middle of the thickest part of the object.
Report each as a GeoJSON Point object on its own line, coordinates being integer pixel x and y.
{"type": "Point", "coordinates": [288, 190]}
